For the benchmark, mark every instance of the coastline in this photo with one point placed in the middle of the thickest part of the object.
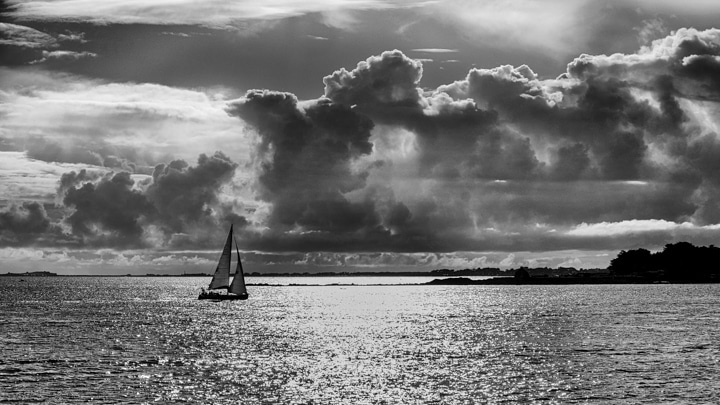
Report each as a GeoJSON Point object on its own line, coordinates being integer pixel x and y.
{"type": "Point", "coordinates": [564, 279]}
{"type": "Point", "coordinates": [569, 280]}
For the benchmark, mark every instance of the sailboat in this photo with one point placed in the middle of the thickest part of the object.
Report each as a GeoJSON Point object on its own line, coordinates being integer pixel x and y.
{"type": "Point", "coordinates": [221, 279]}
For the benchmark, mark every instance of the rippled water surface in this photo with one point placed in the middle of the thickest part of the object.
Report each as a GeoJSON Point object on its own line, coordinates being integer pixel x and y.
{"type": "Point", "coordinates": [148, 340]}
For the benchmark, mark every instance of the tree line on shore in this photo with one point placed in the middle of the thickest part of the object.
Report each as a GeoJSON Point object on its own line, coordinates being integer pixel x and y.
{"type": "Point", "coordinates": [677, 261]}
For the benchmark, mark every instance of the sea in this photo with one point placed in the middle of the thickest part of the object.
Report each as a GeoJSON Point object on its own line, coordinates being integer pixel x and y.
{"type": "Point", "coordinates": [356, 340]}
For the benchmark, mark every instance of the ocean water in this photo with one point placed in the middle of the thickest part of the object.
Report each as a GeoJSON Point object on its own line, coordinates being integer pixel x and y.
{"type": "Point", "coordinates": [148, 340]}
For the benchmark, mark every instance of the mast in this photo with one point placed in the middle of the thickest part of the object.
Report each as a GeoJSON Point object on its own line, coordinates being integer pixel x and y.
{"type": "Point", "coordinates": [238, 283]}
{"type": "Point", "coordinates": [221, 278]}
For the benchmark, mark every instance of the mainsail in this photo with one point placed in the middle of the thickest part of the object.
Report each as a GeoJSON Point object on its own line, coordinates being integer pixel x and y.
{"type": "Point", "coordinates": [221, 278]}
{"type": "Point", "coordinates": [238, 283]}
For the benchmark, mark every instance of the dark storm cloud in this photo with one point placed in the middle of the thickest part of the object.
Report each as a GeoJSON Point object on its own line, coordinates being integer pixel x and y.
{"type": "Point", "coordinates": [455, 135]}
{"type": "Point", "coordinates": [620, 148]}
{"type": "Point", "coordinates": [679, 71]}
{"type": "Point", "coordinates": [604, 118]}
{"type": "Point", "coordinates": [180, 202]}
{"type": "Point", "coordinates": [304, 156]}
{"type": "Point", "coordinates": [306, 151]}
{"type": "Point", "coordinates": [72, 179]}
{"type": "Point", "coordinates": [571, 162]}
{"type": "Point", "coordinates": [615, 138]}
{"type": "Point", "coordinates": [109, 211]}
{"type": "Point", "coordinates": [24, 224]}
{"type": "Point", "coordinates": [184, 194]}
{"type": "Point", "coordinates": [688, 56]}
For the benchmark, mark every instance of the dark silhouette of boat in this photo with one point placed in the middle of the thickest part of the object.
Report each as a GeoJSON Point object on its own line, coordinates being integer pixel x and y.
{"type": "Point", "coordinates": [221, 279]}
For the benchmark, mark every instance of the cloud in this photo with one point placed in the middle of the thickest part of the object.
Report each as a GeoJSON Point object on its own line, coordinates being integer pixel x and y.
{"type": "Point", "coordinates": [542, 26]}
{"type": "Point", "coordinates": [212, 13]}
{"type": "Point", "coordinates": [475, 163]}
{"type": "Point", "coordinates": [23, 179]}
{"type": "Point", "coordinates": [72, 179]}
{"type": "Point", "coordinates": [37, 148]}
{"type": "Point", "coordinates": [118, 262]}
{"type": "Point", "coordinates": [651, 29]}
{"type": "Point", "coordinates": [304, 161]}
{"type": "Point", "coordinates": [619, 151]}
{"type": "Point", "coordinates": [70, 36]}
{"type": "Point", "coordinates": [390, 78]}
{"type": "Point", "coordinates": [24, 223]}
{"type": "Point", "coordinates": [64, 55]}
{"type": "Point", "coordinates": [109, 211]}
{"type": "Point", "coordinates": [559, 29]}
{"type": "Point", "coordinates": [26, 37]}
{"type": "Point", "coordinates": [179, 199]}
{"type": "Point", "coordinates": [184, 195]}
{"type": "Point", "coordinates": [55, 123]}
{"type": "Point", "coordinates": [435, 50]}
{"type": "Point", "coordinates": [634, 226]}
{"type": "Point", "coordinates": [685, 8]}
{"type": "Point", "coordinates": [32, 46]}
{"type": "Point", "coordinates": [63, 118]}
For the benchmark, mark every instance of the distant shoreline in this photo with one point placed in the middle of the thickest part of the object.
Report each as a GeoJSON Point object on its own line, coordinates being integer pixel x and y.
{"type": "Point", "coordinates": [583, 278]}
{"type": "Point", "coordinates": [489, 272]}
{"type": "Point", "coordinates": [567, 281]}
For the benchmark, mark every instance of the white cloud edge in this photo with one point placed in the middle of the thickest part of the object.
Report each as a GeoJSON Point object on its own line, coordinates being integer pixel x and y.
{"type": "Point", "coordinates": [635, 226]}
{"type": "Point", "coordinates": [211, 13]}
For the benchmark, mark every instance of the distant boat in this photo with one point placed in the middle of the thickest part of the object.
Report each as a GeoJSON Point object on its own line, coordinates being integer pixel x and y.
{"type": "Point", "coordinates": [221, 279]}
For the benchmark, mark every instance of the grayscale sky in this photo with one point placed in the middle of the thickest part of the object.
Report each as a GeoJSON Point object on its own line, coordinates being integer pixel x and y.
{"type": "Point", "coordinates": [355, 134]}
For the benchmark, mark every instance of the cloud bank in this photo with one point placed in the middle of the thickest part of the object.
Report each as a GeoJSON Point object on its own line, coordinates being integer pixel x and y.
{"type": "Point", "coordinates": [213, 13]}
{"type": "Point", "coordinates": [57, 117]}
{"type": "Point", "coordinates": [618, 151]}
{"type": "Point", "coordinates": [500, 159]}
{"type": "Point", "coordinates": [179, 205]}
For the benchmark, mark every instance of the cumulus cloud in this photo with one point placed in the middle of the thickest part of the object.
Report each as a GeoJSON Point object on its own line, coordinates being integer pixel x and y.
{"type": "Point", "coordinates": [72, 179]}
{"type": "Point", "coordinates": [476, 162]}
{"type": "Point", "coordinates": [304, 162]}
{"type": "Point", "coordinates": [24, 223]}
{"type": "Point", "coordinates": [184, 195]}
{"type": "Point", "coordinates": [109, 211]}
{"type": "Point", "coordinates": [391, 78]}
{"type": "Point", "coordinates": [179, 199]}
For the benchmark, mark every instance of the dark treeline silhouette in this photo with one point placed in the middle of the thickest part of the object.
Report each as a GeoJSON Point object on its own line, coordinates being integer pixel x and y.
{"type": "Point", "coordinates": [680, 261]}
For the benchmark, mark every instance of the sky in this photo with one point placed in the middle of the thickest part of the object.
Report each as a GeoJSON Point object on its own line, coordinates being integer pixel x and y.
{"type": "Point", "coordinates": [374, 135]}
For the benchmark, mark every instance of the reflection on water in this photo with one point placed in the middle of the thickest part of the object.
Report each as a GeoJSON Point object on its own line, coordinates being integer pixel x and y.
{"type": "Point", "coordinates": [109, 340]}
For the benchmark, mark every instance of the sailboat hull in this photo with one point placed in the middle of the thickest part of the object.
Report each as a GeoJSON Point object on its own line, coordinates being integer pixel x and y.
{"type": "Point", "coordinates": [222, 297]}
